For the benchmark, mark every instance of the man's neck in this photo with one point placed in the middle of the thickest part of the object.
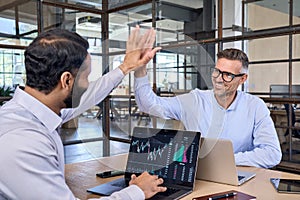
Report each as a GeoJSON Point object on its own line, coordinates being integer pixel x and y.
{"type": "Point", "coordinates": [46, 99]}
{"type": "Point", "coordinates": [226, 101]}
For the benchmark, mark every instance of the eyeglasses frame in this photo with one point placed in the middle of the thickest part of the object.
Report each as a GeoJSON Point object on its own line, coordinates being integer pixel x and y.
{"type": "Point", "coordinates": [229, 73]}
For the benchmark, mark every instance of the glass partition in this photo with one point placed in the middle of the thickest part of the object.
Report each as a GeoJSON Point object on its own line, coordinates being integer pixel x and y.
{"type": "Point", "coordinates": [296, 12]}
{"type": "Point", "coordinates": [82, 3]}
{"type": "Point", "coordinates": [272, 48]}
{"type": "Point", "coordinates": [261, 76]}
{"type": "Point", "coordinates": [232, 18]}
{"type": "Point", "coordinates": [121, 22]}
{"type": "Point", "coordinates": [18, 24]}
{"type": "Point", "coordinates": [296, 74]}
{"type": "Point", "coordinates": [267, 14]}
{"type": "Point", "coordinates": [12, 69]}
{"type": "Point", "coordinates": [296, 46]}
{"type": "Point", "coordinates": [119, 3]}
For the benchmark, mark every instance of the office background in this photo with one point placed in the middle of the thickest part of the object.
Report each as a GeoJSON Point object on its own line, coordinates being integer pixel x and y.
{"type": "Point", "coordinates": [190, 33]}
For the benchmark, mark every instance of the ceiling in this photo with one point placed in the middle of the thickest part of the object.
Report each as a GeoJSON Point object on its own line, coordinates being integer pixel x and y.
{"type": "Point", "coordinates": [117, 3]}
{"type": "Point", "coordinates": [281, 6]}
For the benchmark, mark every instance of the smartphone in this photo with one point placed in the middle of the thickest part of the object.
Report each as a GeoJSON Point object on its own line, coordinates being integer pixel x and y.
{"type": "Point", "coordinates": [108, 174]}
{"type": "Point", "coordinates": [286, 185]}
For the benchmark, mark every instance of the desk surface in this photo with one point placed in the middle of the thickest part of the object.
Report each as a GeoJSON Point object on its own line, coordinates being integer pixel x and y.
{"type": "Point", "coordinates": [81, 176]}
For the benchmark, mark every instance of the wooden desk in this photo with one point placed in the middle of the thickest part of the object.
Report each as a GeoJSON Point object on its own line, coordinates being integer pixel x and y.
{"type": "Point", "coordinates": [81, 176]}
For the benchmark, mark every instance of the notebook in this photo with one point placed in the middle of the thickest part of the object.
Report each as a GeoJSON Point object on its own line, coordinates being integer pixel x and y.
{"type": "Point", "coordinates": [216, 163]}
{"type": "Point", "coordinates": [170, 154]}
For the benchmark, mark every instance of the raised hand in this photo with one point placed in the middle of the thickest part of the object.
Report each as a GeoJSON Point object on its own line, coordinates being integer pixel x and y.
{"type": "Point", "coordinates": [139, 50]}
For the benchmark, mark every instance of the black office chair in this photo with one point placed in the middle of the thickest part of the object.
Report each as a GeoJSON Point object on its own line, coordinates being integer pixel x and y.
{"type": "Point", "coordinates": [295, 133]}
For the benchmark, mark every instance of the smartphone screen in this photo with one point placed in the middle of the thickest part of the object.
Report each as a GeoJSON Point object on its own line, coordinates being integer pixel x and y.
{"type": "Point", "coordinates": [286, 185]}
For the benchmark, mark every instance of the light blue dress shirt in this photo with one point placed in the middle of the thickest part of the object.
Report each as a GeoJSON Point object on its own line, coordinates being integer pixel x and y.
{"type": "Point", "coordinates": [247, 122]}
{"type": "Point", "coordinates": [31, 151]}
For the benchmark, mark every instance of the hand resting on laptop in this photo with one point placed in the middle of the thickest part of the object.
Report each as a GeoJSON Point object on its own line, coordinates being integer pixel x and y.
{"type": "Point", "coordinates": [148, 183]}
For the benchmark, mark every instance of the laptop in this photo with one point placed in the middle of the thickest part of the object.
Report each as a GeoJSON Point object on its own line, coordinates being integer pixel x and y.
{"type": "Point", "coordinates": [216, 163]}
{"type": "Point", "coordinates": [170, 154]}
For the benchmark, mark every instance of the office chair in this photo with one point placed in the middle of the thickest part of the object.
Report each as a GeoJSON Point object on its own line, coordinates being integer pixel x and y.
{"type": "Point", "coordinates": [295, 133]}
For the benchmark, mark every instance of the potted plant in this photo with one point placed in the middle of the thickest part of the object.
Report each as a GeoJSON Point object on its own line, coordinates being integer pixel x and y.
{"type": "Point", "coordinates": [5, 93]}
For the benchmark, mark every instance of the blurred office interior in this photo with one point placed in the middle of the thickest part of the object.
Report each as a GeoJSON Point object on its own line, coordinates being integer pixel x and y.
{"type": "Point", "coordinates": [190, 33]}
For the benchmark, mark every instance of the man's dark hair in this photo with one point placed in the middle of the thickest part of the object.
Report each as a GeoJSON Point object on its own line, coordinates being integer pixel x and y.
{"type": "Point", "coordinates": [235, 54]}
{"type": "Point", "coordinates": [52, 53]}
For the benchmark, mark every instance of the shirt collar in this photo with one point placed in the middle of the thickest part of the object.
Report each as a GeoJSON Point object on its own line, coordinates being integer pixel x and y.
{"type": "Point", "coordinates": [235, 101]}
{"type": "Point", "coordinates": [232, 106]}
{"type": "Point", "coordinates": [46, 116]}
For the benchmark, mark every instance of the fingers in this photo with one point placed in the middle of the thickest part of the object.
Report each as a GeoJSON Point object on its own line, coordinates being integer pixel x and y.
{"type": "Point", "coordinates": [133, 38]}
{"type": "Point", "coordinates": [161, 189]}
{"type": "Point", "coordinates": [145, 39]}
{"type": "Point", "coordinates": [133, 176]}
{"type": "Point", "coordinates": [149, 55]}
{"type": "Point", "coordinates": [135, 34]}
{"type": "Point", "coordinates": [151, 38]}
{"type": "Point", "coordinates": [153, 51]}
{"type": "Point", "coordinates": [160, 181]}
{"type": "Point", "coordinates": [157, 188]}
{"type": "Point", "coordinates": [140, 42]}
{"type": "Point", "coordinates": [139, 50]}
{"type": "Point", "coordinates": [149, 184]}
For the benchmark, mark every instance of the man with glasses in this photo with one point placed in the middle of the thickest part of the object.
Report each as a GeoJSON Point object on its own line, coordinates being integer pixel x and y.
{"type": "Point", "coordinates": [246, 119]}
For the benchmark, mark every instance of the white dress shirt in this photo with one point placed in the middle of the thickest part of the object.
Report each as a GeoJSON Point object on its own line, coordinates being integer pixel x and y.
{"type": "Point", "coordinates": [31, 151]}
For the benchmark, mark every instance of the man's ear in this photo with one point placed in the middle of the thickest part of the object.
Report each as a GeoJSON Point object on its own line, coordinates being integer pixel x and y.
{"type": "Point", "coordinates": [67, 80]}
{"type": "Point", "coordinates": [243, 79]}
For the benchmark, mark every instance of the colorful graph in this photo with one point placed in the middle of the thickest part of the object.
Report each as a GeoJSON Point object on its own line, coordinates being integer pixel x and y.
{"type": "Point", "coordinates": [180, 154]}
{"type": "Point", "coordinates": [153, 155]}
{"type": "Point", "coordinates": [152, 152]}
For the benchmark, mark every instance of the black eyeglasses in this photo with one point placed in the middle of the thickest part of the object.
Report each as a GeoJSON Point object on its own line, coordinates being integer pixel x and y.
{"type": "Point", "coordinates": [226, 76]}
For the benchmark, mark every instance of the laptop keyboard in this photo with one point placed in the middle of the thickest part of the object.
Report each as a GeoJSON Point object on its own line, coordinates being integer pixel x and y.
{"type": "Point", "coordinates": [240, 177]}
{"type": "Point", "coordinates": [169, 191]}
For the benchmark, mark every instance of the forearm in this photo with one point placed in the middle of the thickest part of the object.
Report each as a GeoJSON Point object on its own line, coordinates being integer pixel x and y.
{"type": "Point", "coordinates": [150, 103]}
{"type": "Point", "coordinates": [264, 157]}
{"type": "Point", "coordinates": [267, 150]}
{"type": "Point", "coordinates": [96, 92]}
{"type": "Point", "coordinates": [145, 97]}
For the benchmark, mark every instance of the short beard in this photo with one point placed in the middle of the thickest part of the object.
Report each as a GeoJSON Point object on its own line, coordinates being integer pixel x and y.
{"type": "Point", "coordinates": [73, 99]}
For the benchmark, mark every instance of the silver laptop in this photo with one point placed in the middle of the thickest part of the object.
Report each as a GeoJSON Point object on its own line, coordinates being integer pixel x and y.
{"type": "Point", "coordinates": [170, 154]}
{"type": "Point", "coordinates": [216, 163]}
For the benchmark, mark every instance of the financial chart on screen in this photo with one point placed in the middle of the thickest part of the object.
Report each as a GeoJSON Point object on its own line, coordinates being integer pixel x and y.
{"type": "Point", "coordinates": [171, 154]}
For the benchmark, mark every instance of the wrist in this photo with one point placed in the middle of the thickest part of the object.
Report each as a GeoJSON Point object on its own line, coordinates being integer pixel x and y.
{"type": "Point", "coordinates": [124, 68]}
{"type": "Point", "coordinates": [140, 72]}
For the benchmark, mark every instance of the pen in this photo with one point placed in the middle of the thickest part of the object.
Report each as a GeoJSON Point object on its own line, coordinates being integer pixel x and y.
{"type": "Point", "coordinates": [222, 196]}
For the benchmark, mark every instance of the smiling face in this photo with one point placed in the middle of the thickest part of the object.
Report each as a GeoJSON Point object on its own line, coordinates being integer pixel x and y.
{"type": "Point", "coordinates": [225, 91]}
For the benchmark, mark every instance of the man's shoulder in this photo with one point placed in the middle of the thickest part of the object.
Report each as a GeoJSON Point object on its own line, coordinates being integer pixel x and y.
{"type": "Point", "coordinates": [17, 120]}
{"type": "Point", "coordinates": [250, 99]}
{"type": "Point", "coordinates": [202, 94]}
{"type": "Point", "coordinates": [249, 96]}
{"type": "Point", "coordinates": [196, 96]}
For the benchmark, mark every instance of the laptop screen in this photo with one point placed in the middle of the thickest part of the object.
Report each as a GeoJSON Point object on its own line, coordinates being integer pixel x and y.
{"type": "Point", "coordinates": [170, 154]}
